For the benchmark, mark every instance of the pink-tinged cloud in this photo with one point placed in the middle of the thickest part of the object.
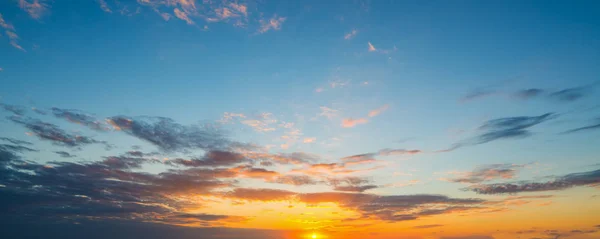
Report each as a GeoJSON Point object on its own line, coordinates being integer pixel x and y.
{"type": "Point", "coordinates": [378, 111]}
{"type": "Point", "coordinates": [35, 8]}
{"type": "Point", "coordinates": [327, 112]}
{"type": "Point", "coordinates": [183, 16]}
{"type": "Point", "coordinates": [309, 140]}
{"type": "Point", "coordinates": [351, 34]}
{"type": "Point", "coordinates": [371, 47]}
{"type": "Point", "coordinates": [241, 8]}
{"type": "Point", "coordinates": [9, 29]}
{"type": "Point", "coordinates": [350, 122]}
{"type": "Point", "coordinates": [272, 24]}
{"type": "Point", "coordinates": [228, 117]}
{"type": "Point", "coordinates": [263, 123]}
{"type": "Point", "coordinates": [319, 90]}
{"type": "Point", "coordinates": [104, 6]}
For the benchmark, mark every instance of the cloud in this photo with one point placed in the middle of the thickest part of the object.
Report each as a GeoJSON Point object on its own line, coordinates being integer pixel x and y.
{"type": "Point", "coordinates": [274, 24]}
{"type": "Point", "coordinates": [488, 173]}
{"type": "Point", "coordinates": [79, 117]}
{"type": "Point", "coordinates": [296, 180]}
{"type": "Point", "coordinates": [327, 112]}
{"type": "Point", "coordinates": [370, 157]}
{"type": "Point", "coordinates": [350, 122]}
{"type": "Point", "coordinates": [477, 94]}
{"type": "Point", "coordinates": [183, 16]}
{"type": "Point", "coordinates": [104, 6]}
{"type": "Point", "coordinates": [64, 154]}
{"type": "Point", "coordinates": [211, 159]}
{"type": "Point", "coordinates": [228, 117]}
{"type": "Point", "coordinates": [528, 93]}
{"type": "Point", "coordinates": [428, 226]}
{"type": "Point", "coordinates": [503, 128]}
{"type": "Point", "coordinates": [309, 140]}
{"type": "Point", "coordinates": [10, 31]}
{"type": "Point", "coordinates": [378, 111]}
{"type": "Point", "coordinates": [15, 109]}
{"type": "Point", "coordinates": [168, 135]}
{"type": "Point", "coordinates": [351, 34]}
{"type": "Point", "coordinates": [591, 178]}
{"type": "Point", "coordinates": [570, 94]}
{"type": "Point", "coordinates": [584, 128]}
{"type": "Point", "coordinates": [35, 8]}
{"type": "Point", "coordinates": [53, 133]}
{"type": "Point", "coordinates": [262, 194]}
{"type": "Point", "coordinates": [371, 47]}
{"type": "Point", "coordinates": [351, 184]}
{"type": "Point", "coordinates": [262, 123]}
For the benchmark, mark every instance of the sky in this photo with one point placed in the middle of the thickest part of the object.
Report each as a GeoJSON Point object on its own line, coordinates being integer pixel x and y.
{"type": "Point", "coordinates": [300, 119]}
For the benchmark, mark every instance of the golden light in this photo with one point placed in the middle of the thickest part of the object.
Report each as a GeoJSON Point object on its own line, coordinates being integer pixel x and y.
{"type": "Point", "coordinates": [314, 235]}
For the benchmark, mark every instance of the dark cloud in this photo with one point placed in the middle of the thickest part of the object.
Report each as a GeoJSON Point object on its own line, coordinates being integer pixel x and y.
{"type": "Point", "coordinates": [79, 117]}
{"type": "Point", "coordinates": [488, 173]}
{"type": "Point", "coordinates": [260, 194]}
{"type": "Point", "coordinates": [477, 94]}
{"type": "Point", "coordinates": [351, 184]}
{"type": "Point", "coordinates": [584, 128]}
{"type": "Point", "coordinates": [25, 228]}
{"type": "Point", "coordinates": [104, 189]}
{"type": "Point", "coordinates": [15, 141]}
{"type": "Point", "coordinates": [570, 94]}
{"type": "Point", "coordinates": [504, 128]}
{"type": "Point", "coordinates": [370, 157]}
{"type": "Point", "coordinates": [296, 180]}
{"type": "Point", "coordinates": [428, 226]}
{"type": "Point", "coordinates": [571, 180]}
{"type": "Point", "coordinates": [53, 133]}
{"type": "Point", "coordinates": [211, 159]}
{"type": "Point", "coordinates": [528, 93]}
{"type": "Point", "coordinates": [168, 135]}
{"type": "Point", "coordinates": [15, 109]}
{"type": "Point", "coordinates": [65, 154]}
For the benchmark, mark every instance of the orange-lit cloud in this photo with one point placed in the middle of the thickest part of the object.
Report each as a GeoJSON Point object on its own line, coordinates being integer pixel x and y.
{"type": "Point", "coordinates": [35, 8]}
{"type": "Point", "coordinates": [274, 23]}
{"type": "Point", "coordinates": [350, 122]}
{"type": "Point", "coordinates": [371, 47]}
{"type": "Point", "coordinates": [378, 111]}
{"type": "Point", "coordinates": [10, 31]}
{"type": "Point", "coordinates": [183, 16]}
{"type": "Point", "coordinates": [309, 140]}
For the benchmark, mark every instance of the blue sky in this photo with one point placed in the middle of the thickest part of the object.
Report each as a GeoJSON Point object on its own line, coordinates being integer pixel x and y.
{"type": "Point", "coordinates": [425, 79]}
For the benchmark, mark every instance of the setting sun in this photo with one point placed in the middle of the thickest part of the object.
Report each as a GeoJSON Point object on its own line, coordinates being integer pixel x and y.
{"type": "Point", "coordinates": [314, 235]}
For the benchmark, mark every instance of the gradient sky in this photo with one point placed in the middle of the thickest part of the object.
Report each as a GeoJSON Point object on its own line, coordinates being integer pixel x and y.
{"type": "Point", "coordinates": [293, 119]}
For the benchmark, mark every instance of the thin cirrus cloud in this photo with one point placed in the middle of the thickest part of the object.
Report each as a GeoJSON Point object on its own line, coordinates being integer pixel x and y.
{"type": "Point", "coordinates": [183, 16]}
{"type": "Point", "coordinates": [104, 6]}
{"type": "Point", "coordinates": [591, 178]}
{"type": "Point", "coordinates": [274, 23]}
{"type": "Point", "coordinates": [10, 31]}
{"type": "Point", "coordinates": [351, 122]}
{"type": "Point", "coordinates": [503, 128]}
{"type": "Point", "coordinates": [590, 127]}
{"type": "Point", "coordinates": [351, 34]}
{"type": "Point", "coordinates": [487, 173]}
{"type": "Point", "coordinates": [35, 8]}
{"type": "Point", "coordinates": [565, 95]}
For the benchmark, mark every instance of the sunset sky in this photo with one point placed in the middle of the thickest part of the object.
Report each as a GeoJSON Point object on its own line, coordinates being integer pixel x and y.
{"type": "Point", "coordinates": [348, 119]}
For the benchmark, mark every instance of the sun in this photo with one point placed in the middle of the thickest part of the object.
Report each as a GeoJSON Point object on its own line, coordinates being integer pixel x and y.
{"type": "Point", "coordinates": [314, 236]}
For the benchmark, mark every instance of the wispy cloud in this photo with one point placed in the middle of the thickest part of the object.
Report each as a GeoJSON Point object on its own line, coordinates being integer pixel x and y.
{"type": "Point", "coordinates": [594, 126]}
{"type": "Point", "coordinates": [487, 173]}
{"type": "Point", "coordinates": [104, 6]}
{"type": "Point", "coordinates": [563, 182]}
{"type": "Point", "coordinates": [504, 128]}
{"type": "Point", "coordinates": [261, 123]}
{"type": "Point", "coordinates": [35, 8]}
{"type": "Point", "coordinates": [328, 113]}
{"type": "Point", "coordinates": [350, 122]}
{"type": "Point", "coordinates": [378, 111]}
{"type": "Point", "coordinates": [371, 47]}
{"type": "Point", "coordinates": [274, 23]}
{"type": "Point", "coordinates": [309, 140]}
{"type": "Point", "coordinates": [183, 16]}
{"type": "Point", "coordinates": [428, 226]}
{"type": "Point", "coordinates": [351, 34]}
{"type": "Point", "coordinates": [10, 31]}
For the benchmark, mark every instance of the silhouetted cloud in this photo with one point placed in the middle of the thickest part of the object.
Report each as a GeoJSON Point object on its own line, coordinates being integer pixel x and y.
{"type": "Point", "coordinates": [64, 154]}
{"type": "Point", "coordinates": [477, 94]}
{"type": "Point", "coordinates": [487, 173]}
{"type": "Point", "coordinates": [503, 128]}
{"type": "Point", "coordinates": [15, 109]}
{"type": "Point", "coordinates": [169, 135]}
{"type": "Point", "coordinates": [584, 128]}
{"type": "Point", "coordinates": [351, 184]}
{"type": "Point", "coordinates": [468, 237]}
{"type": "Point", "coordinates": [529, 93]}
{"type": "Point", "coordinates": [563, 182]}
{"type": "Point", "coordinates": [570, 94]}
{"type": "Point", "coordinates": [53, 133]}
{"type": "Point", "coordinates": [79, 117]}
{"type": "Point", "coordinates": [211, 159]}
{"type": "Point", "coordinates": [296, 180]}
